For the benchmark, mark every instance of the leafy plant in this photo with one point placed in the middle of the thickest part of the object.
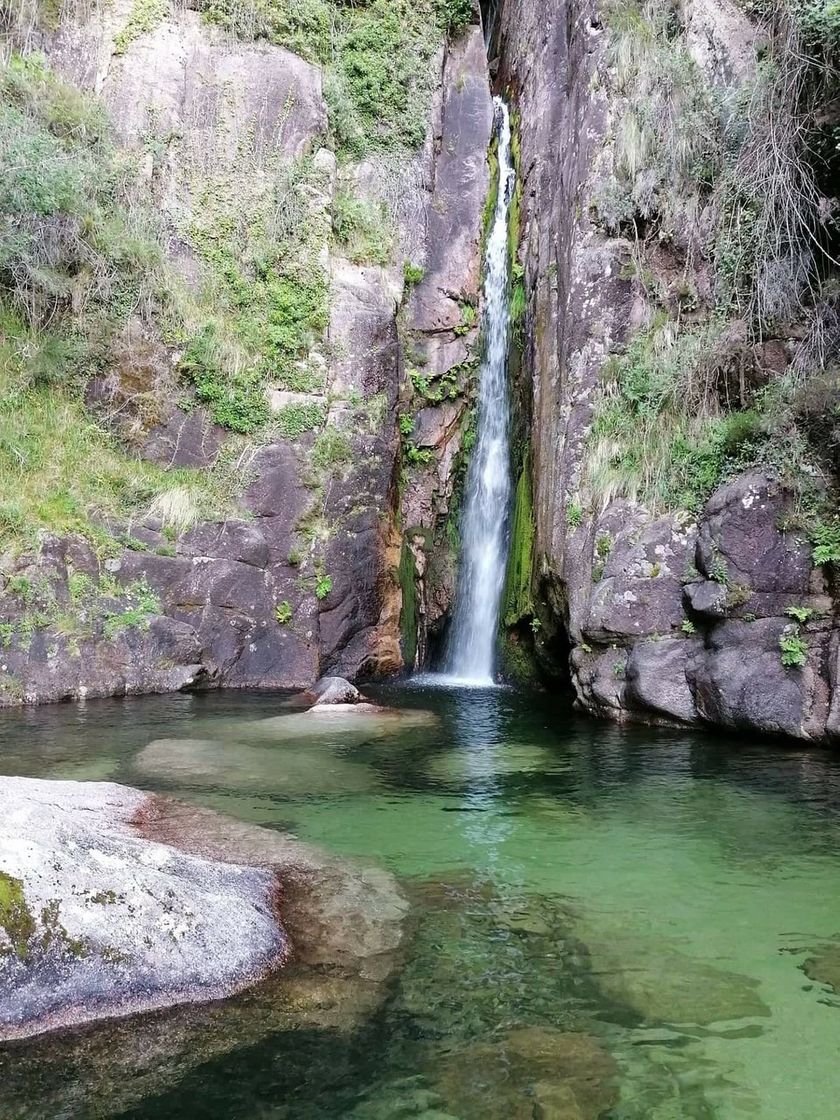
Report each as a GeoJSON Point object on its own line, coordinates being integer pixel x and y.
{"type": "Point", "coordinates": [574, 515]}
{"type": "Point", "coordinates": [283, 612]}
{"type": "Point", "coordinates": [688, 627]}
{"type": "Point", "coordinates": [794, 650]}
{"type": "Point", "coordinates": [801, 614]}
{"type": "Point", "coordinates": [323, 586]}
{"type": "Point", "coordinates": [413, 274]}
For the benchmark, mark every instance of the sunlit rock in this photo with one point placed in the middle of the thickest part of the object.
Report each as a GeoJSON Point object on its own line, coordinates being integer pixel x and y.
{"type": "Point", "coordinates": [95, 921]}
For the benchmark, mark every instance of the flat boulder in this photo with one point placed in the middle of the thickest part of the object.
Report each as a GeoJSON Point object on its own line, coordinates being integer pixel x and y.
{"type": "Point", "coordinates": [96, 921]}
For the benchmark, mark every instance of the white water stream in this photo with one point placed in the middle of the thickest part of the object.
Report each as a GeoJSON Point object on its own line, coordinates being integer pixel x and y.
{"type": "Point", "coordinates": [471, 653]}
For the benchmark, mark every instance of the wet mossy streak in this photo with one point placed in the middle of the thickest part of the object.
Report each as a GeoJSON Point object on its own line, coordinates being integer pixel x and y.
{"type": "Point", "coordinates": [517, 603]}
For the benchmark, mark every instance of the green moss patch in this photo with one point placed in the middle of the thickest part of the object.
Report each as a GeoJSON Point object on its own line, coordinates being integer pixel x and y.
{"type": "Point", "coordinates": [517, 601]}
{"type": "Point", "coordinates": [15, 916]}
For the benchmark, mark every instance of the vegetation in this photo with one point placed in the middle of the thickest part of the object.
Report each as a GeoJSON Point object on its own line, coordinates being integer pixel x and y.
{"type": "Point", "coordinates": [793, 648]}
{"type": "Point", "coordinates": [259, 237]}
{"type": "Point", "coordinates": [145, 15]}
{"type": "Point", "coordinates": [409, 613]}
{"type": "Point", "coordinates": [741, 178]}
{"type": "Point", "coordinates": [284, 613]}
{"type": "Point", "coordinates": [79, 259]}
{"type": "Point", "coordinates": [362, 229]}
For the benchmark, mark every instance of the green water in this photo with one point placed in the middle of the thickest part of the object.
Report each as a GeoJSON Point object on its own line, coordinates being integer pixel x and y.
{"type": "Point", "coordinates": [656, 892]}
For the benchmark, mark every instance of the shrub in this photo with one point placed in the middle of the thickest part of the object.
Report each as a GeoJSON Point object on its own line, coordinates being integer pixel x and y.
{"type": "Point", "coordinates": [283, 612]}
{"type": "Point", "coordinates": [323, 586]}
{"type": "Point", "coordinates": [413, 274]}
{"type": "Point", "coordinates": [294, 420]}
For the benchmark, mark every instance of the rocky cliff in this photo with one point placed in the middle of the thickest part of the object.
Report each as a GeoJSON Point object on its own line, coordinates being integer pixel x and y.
{"type": "Point", "coordinates": [681, 356]}
{"type": "Point", "coordinates": [255, 276]}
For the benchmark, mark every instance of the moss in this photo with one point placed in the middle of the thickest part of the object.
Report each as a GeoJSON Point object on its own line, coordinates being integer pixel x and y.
{"type": "Point", "coordinates": [518, 661]}
{"type": "Point", "coordinates": [409, 613]}
{"type": "Point", "coordinates": [15, 916]}
{"type": "Point", "coordinates": [517, 602]}
{"type": "Point", "coordinates": [492, 199]}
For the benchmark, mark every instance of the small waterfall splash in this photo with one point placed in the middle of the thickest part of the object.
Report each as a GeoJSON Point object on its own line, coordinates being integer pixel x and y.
{"type": "Point", "coordinates": [484, 528]}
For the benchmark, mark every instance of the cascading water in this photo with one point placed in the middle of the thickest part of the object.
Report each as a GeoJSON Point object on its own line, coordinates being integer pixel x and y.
{"type": "Point", "coordinates": [484, 530]}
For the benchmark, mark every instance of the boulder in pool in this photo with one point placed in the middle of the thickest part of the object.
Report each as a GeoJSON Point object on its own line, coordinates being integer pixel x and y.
{"type": "Point", "coordinates": [334, 690]}
{"type": "Point", "coordinates": [344, 921]}
{"type": "Point", "coordinates": [96, 921]}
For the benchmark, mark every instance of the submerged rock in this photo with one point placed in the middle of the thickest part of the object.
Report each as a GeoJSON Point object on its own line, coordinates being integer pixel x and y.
{"type": "Point", "coordinates": [95, 921]}
{"type": "Point", "coordinates": [288, 769]}
{"type": "Point", "coordinates": [661, 984]}
{"type": "Point", "coordinates": [824, 966]}
{"type": "Point", "coordinates": [531, 1072]}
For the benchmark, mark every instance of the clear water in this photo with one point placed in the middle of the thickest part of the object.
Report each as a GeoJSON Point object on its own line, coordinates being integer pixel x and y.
{"type": "Point", "coordinates": [656, 891]}
{"type": "Point", "coordinates": [484, 525]}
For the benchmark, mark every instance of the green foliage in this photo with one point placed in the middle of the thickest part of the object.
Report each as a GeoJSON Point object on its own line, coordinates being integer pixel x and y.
{"type": "Point", "coordinates": [688, 628]}
{"type": "Point", "coordinates": [574, 514]}
{"type": "Point", "coordinates": [331, 451]}
{"type": "Point", "coordinates": [667, 138]}
{"type": "Point", "coordinates": [793, 649]}
{"type": "Point", "coordinates": [517, 312]}
{"type": "Point", "coordinates": [413, 274]}
{"type": "Point", "coordinates": [259, 243]}
{"type": "Point", "coordinates": [145, 15]}
{"type": "Point", "coordinates": [362, 229]}
{"type": "Point", "coordinates": [455, 15]}
{"type": "Point", "coordinates": [284, 613]}
{"type": "Point", "coordinates": [517, 599]}
{"type": "Point", "coordinates": [825, 537]}
{"type": "Point", "coordinates": [657, 434]}
{"type": "Point", "coordinates": [718, 570]}
{"type": "Point", "coordinates": [419, 456]}
{"type": "Point", "coordinates": [295, 419]}
{"type": "Point", "coordinates": [378, 59]}
{"type": "Point", "coordinates": [801, 614]}
{"type": "Point", "coordinates": [323, 586]}
{"type": "Point", "coordinates": [406, 423]}
{"type": "Point", "coordinates": [138, 606]}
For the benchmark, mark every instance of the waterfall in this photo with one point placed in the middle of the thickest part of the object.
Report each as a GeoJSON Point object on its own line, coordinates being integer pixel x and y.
{"type": "Point", "coordinates": [484, 528]}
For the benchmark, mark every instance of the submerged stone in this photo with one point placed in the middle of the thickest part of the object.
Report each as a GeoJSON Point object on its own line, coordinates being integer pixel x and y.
{"type": "Point", "coordinates": [660, 983]}
{"type": "Point", "coordinates": [334, 690]}
{"type": "Point", "coordinates": [531, 1072]}
{"type": "Point", "coordinates": [293, 770]}
{"type": "Point", "coordinates": [824, 966]}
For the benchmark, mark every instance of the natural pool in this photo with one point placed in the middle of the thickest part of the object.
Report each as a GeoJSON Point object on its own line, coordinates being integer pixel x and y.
{"type": "Point", "coordinates": [632, 905]}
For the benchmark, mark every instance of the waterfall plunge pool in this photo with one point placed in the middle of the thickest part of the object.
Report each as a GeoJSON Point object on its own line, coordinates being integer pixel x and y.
{"type": "Point", "coordinates": [605, 922]}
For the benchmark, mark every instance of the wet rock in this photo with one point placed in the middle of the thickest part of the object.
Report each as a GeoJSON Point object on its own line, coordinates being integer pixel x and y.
{"type": "Point", "coordinates": [533, 1071]}
{"type": "Point", "coordinates": [740, 537]}
{"type": "Point", "coordinates": [96, 922]}
{"type": "Point", "coordinates": [344, 920]}
{"type": "Point", "coordinates": [740, 680]}
{"type": "Point", "coordinates": [335, 690]}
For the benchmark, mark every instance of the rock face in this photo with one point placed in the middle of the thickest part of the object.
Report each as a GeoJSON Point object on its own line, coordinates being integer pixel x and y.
{"type": "Point", "coordinates": [302, 577]}
{"type": "Point", "coordinates": [717, 617]}
{"type": "Point", "coordinates": [96, 922]}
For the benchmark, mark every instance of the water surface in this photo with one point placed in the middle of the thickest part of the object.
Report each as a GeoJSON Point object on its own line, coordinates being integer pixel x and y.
{"type": "Point", "coordinates": [655, 893]}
